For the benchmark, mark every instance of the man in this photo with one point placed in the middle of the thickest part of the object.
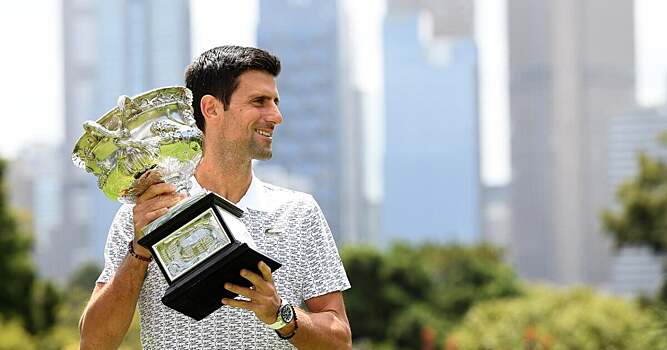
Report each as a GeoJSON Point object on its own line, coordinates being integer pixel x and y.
{"type": "Point", "coordinates": [236, 106]}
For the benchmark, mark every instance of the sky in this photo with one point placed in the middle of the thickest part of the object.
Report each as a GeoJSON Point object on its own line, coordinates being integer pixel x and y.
{"type": "Point", "coordinates": [30, 74]}
{"type": "Point", "coordinates": [32, 61]}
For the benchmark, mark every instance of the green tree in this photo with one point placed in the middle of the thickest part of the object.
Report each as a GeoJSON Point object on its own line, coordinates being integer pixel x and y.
{"type": "Point", "coordinates": [16, 268]}
{"type": "Point", "coordinates": [85, 276]}
{"type": "Point", "coordinates": [14, 337]}
{"type": "Point", "coordinates": [546, 318]}
{"type": "Point", "coordinates": [45, 301]}
{"type": "Point", "coordinates": [23, 297]}
{"type": "Point", "coordinates": [366, 304]}
{"type": "Point", "coordinates": [463, 276]}
{"type": "Point", "coordinates": [402, 293]}
{"type": "Point", "coordinates": [641, 218]}
{"type": "Point", "coordinates": [641, 215]}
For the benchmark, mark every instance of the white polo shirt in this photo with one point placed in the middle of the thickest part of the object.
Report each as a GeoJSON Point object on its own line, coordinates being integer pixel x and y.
{"type": "Point", "coordinates": [287, 225]}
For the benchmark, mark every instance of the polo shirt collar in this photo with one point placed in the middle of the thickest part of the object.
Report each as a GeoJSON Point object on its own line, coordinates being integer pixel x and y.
{"type": "Point", "coordinates": [254, 198]}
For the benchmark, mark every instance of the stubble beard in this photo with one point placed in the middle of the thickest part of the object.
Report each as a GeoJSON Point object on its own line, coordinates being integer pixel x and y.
{"type": "Point", "coordinates": [258, 152]}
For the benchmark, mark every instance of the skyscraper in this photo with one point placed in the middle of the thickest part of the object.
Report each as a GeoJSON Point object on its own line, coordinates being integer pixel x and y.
{"type": "Point", "coordinates": [34, 183]}
{"type": "Point", "coordinates": [111, 49]}
{"type": "Point", "coordinates": [496, 216]}
{"type": "Point", "coordinates": [320, 135]}
{"type": "Point", "coordinates": [571, 69]}
{"type": "Point", "coordinates": [431, 164]}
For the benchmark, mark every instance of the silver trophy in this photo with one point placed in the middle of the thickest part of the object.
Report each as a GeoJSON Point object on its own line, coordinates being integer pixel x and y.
{"type": "Point", "coordinates": [154, 134]}
{"type": "Point", "coordinates": [154, 130]}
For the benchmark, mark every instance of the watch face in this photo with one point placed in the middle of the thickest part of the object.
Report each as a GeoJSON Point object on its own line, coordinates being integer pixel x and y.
{"type": "Point", "coordinates": [287, 313]}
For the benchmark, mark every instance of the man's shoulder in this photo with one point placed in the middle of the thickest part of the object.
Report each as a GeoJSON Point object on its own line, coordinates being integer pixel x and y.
{"type": "Point", "coordinates": [285, 194]}
{"type": "Point", "coordinates": [280, 196]}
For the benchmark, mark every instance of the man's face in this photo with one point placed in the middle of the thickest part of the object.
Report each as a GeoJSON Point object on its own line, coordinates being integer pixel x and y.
{"type": "Point", "coordinates": [252, 115]}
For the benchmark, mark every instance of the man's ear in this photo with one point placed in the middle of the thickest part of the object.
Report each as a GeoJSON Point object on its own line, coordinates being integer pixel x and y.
{"type": "Point", "coordinates": [211, 108]}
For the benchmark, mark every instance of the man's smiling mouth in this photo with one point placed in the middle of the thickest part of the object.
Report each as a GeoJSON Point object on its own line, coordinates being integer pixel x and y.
{"type": "Point", "coordinates": [264, 133]}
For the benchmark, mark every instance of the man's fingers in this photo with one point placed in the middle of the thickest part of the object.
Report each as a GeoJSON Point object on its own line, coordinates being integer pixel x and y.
{"type": "Point", "coordinates": [146, 180]}
{"type": "Point", "coordinates": [141, 220]}
{"type": "Point", "coordinates": [243, 291]}
{"type": "Point", "coordinates": [156, 190]}
{"type": "Point", "coordinates": [263, 299]}
{"type": "Point", "coordinates": [254, 278]}
{"type": "Point", "coordinates": [150, 216]}
{"type": "Point", "coordinates": [147, 210]}
{"type": "Point", "coordinates": [239, 303]}
{"type": "Point", "coordinates": [162, 201]}
{"type": "Point", "coordinates": [266, 271]}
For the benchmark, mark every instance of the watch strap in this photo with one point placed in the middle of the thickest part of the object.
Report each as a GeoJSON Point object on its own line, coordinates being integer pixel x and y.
{"type": "Point", "coordinates": [289, 336]}
{"type": "Point", "coordinates": [280, 323]}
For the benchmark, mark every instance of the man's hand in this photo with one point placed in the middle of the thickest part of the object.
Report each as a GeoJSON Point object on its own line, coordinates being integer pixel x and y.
{"type": "Point", "coordinates": [152, 203]}
{"type": "Point", "coordinates": [264, 300]}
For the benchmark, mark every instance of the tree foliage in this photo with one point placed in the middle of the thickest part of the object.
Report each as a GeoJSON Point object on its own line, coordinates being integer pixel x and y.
{"type": "Point", "coordinates": [399, 294]}
{"type": "Point", "coordinates": [550, 319]}
{"type": "Point", "coordinates": [16, 268]}
{"type": "Point", "coordinates": [23, 297]}
{"type": "Point", "coordinates": [45, 301]}
{"type": "Point", "coordinates": [641, 218]}
{"type": "Point", "coordinates": [14, 337]}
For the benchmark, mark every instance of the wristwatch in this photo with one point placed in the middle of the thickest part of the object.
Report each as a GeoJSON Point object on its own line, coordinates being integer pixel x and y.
{"type": "Point", "coordinates": [285, 315]}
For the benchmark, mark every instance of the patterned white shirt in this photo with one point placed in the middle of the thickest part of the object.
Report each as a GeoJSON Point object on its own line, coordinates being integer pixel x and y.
{"type": "Point", "coordinates": [298, 236]}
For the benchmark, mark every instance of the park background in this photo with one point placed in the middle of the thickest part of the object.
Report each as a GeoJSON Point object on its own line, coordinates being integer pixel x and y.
{"type": "Point", "coordinates": [493, 170]}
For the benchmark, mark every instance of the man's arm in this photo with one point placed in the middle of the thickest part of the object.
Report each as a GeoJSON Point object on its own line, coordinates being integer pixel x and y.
{"type": "Point", "coordinates": [109, 312]}
{"type": "Point", "coordinates": [325, 326]}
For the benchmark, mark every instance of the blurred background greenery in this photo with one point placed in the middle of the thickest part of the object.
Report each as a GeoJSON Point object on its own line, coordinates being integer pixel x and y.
{"type": "Point", "coordinates": [426, 296]}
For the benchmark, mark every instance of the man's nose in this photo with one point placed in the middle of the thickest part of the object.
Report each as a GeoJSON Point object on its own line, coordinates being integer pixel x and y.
{"type": "Point", "coordinates": [275, 116]}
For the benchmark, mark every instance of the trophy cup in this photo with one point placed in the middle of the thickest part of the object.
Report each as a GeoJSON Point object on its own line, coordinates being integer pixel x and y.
{"type": "Point", "coordinates": [200, 243]}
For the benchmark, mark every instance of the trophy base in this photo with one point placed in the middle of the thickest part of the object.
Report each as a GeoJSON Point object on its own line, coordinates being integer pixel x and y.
{"type": "Point", "coordinates": [200, 230]}
{"type": "Point", "coordinates": [200, 292]}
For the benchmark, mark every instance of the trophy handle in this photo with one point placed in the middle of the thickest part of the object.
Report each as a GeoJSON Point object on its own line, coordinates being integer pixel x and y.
{"type": "Point", "coordinates": [127, 107]}
{"type": "Point", "coordinates": [99, 130]}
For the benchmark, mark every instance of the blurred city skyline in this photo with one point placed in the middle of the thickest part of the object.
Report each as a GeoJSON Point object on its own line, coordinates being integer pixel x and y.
{"type": "Point", "coordinates": [37, 52]}
{"type": "Point", "coordinates": [389, 103]}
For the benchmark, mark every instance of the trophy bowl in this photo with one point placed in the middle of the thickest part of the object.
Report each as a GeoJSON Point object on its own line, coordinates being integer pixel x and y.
{"type": "Point", "coordinates": [200, 243]}
{"type": "Point", "coordinates": [155, 129]}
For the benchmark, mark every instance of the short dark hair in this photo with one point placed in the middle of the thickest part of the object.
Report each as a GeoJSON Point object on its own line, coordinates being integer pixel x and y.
{"type": "Point", "coordinates": [216, 72]}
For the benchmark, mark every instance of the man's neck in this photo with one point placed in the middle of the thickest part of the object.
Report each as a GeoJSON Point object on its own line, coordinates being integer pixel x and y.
{"type": "Point", "coordinates": [230, 179]}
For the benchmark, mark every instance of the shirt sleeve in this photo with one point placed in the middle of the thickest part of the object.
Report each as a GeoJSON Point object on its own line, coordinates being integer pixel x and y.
{"type": "Point", "coordinates": [120, 234]}
{"type": "Point", "coordinates": [325, 272]}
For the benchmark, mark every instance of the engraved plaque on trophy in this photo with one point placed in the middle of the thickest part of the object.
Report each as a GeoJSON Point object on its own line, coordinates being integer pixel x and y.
{"type": "Point", "coordinates": [199, 244]}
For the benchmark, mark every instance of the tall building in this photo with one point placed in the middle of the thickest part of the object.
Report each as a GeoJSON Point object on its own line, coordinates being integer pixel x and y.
{"type": "Point", "coordinates": [571, 69]}
{"type": "Point", "coordinates": [431, 165]}
{"type": "Point", "coordinates": [111, 49]}
{"type": "Point", "coordinates": [496, 214]}
{"type": "Point", "coordinates": [635, 270]}
{"type": "Point", "coordinates": [320, 138]}
{"type": "Point", "coordinates": [35, 184]}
